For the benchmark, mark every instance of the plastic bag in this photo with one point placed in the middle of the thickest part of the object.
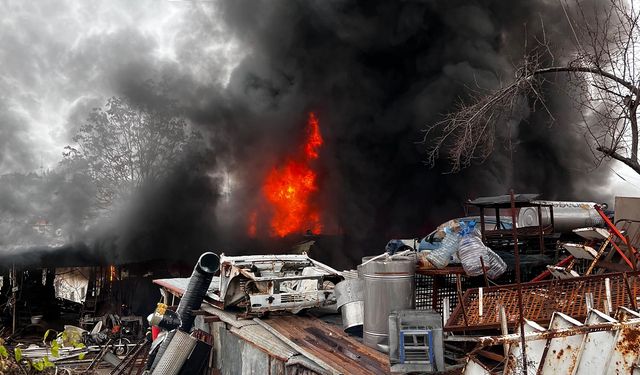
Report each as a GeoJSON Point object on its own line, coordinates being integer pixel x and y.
{"type": "Point", "coordinates": [441, 257]}
{"type": "Point", "coordinates": [495, 265]}
{"type": "Point", "coordinates": [472, 249]}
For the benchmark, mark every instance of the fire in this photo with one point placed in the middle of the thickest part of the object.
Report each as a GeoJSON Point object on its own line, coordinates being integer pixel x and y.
{"type": "Point", "coordinates": [112, 273]}
{"type": "Point", "coordinates": [289, 188]}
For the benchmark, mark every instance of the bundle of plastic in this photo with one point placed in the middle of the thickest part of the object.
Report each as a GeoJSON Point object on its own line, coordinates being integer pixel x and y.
{"type": "Point", "coordinates": [495, 265]}
{"type": "Point", "coordinates": [473, 253]}
{"type": "Point", "coordinates": [440, 257]}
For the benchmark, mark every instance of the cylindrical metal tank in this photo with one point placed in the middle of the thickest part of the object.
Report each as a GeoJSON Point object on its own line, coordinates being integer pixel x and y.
{"type": "Point", "coordinates": [350, 300]}
{"type": "Point", "coordinates": [388, 286]}
{"type": "Point", "coordinates": [566, 216]}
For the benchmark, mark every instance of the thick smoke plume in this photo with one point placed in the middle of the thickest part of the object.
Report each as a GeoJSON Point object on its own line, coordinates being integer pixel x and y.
{"type": "Point", "coordinates": [374, 72]}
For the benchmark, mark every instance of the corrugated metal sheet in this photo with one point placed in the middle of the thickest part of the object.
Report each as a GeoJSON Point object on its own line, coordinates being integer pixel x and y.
{"type": "Point", "coordinates": [331, 345]}
{"type": "Point", "coordinates": [603, 345]}
{"type": "Point", "coordinates": [265, 340]}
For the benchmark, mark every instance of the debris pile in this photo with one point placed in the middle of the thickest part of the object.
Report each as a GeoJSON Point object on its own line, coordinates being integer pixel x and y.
{"type": "Point", "coordinates": [464, 299]}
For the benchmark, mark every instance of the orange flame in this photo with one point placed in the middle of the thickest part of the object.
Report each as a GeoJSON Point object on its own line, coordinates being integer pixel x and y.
{"type": "Point", "coordinates": [112, 273]}
{"type": "Point", "coordinates": [290, 188]}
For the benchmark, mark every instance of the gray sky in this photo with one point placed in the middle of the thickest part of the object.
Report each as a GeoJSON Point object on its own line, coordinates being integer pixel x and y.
{"type": "Point", "coordinates": [59, 59]}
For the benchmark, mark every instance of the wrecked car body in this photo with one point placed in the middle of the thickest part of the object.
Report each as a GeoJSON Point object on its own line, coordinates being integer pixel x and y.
{"type": "Point", "coordinates": [262, 283]}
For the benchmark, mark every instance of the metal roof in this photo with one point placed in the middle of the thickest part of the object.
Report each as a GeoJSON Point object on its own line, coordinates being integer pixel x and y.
{"type": "Point", "coordinates": [178, 285]}
{"type": "Point", "coordinates": [503, 200]}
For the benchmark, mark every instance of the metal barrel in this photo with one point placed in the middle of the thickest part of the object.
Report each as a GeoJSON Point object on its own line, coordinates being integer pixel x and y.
{"type": "Point", "coordinates": [566, 216]}
{"type": "Point", "coordinates": [388, 286]}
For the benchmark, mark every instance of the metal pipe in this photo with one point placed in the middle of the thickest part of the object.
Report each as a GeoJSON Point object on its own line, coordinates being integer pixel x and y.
{"type": "Point", "coordinates": [14, 280]}
{"type": "Point", "coordinates": [540, 229]}
{"type": "Point", "coordinates": [514, 230]}
{"type": "Point", "coordinates": [198, 285]}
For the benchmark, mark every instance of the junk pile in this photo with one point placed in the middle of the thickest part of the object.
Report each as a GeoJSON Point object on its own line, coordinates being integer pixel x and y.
{"type": "Point", "coordinates": [579, 316]}
{"type": "Point", "coordinates": [461, 243]}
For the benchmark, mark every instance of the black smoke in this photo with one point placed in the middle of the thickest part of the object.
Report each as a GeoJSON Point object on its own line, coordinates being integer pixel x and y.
{"type": "Point", "coordinates": [376, 73]}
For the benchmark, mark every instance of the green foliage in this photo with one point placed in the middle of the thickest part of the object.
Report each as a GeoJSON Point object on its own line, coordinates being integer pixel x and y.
{"type": "Point", "coordinates": [46, 335]}
{"type": "Point", "coordinates": [80, 346]}
{"type": "Point", "coordinates": [61, 340]}
{"type": "Point", "coordinates": [55, 348]}
{"type": "Point", "coordinates": [124, 147]}
{"type": "Point", "coordinates": [3, 352]}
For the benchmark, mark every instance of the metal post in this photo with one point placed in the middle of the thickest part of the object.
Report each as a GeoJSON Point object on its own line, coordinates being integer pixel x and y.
{"type": "Point", "coordinates": [541, 229]}
{"type": "Point", "coordinates": [504, 328]}
{"type": "Point", "coordinates": [482, 224]}
{"type": "Point", "coordinates": [519, 286]}
{"type": "Point", "coordinates": [461, 299]}
{"type": "Point", "coordinates": [14, 288]}
{"type": "Point", "coordinates": [484, 272]}
{"type": "Point", "coordinates": [632, 300]}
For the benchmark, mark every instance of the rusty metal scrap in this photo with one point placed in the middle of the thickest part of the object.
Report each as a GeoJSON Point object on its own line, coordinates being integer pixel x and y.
{"type": "Point", "coordinates": [331, 345]}
{"type": "Point", "coordinates": [541, 299]}
{"type": "Point", "coordinates": [602, 345]}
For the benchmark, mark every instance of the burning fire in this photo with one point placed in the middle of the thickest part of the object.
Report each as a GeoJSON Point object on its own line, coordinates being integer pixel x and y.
{"type": "Point", "coordinates": [289, 189]}
{"type": "Point", "coordinates": [112, 273]}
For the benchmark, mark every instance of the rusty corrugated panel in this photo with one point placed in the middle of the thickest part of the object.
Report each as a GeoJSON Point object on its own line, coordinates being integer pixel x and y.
{"type": "Point", "coordinates": [331, 345]}
{"type": "Point", "coordinates": [602, 345]}
{"type": "Point", "coordinates": [265, 341]}
{"type": "Point", "coordinates": [541, 299]}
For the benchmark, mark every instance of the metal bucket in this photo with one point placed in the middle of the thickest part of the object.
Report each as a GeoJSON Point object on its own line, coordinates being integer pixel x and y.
{"type": "Point", "coordinates": [350, 301]}
{"type": "Point", "coordinates": [388, 286]}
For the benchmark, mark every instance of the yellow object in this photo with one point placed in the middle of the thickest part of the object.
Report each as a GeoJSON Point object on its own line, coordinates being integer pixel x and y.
{"type": "Point", "coordinates": [161, 308]}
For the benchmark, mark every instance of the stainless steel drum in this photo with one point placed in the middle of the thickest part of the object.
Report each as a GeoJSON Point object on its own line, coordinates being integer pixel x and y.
{"type": "Point", "coordinates": [566, 216]}
{"type": "Point", "coordinates": [388, 286]}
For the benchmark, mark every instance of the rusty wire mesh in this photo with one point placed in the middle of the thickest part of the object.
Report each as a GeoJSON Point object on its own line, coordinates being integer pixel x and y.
{"type": "Point", "coordinates": [541, 299]}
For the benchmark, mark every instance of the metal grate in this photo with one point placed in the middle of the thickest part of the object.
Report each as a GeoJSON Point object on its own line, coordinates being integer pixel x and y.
{"type": "Point", "coordinates": [431, 290]}
{"type": "Point", "coordinates": [541, 299]}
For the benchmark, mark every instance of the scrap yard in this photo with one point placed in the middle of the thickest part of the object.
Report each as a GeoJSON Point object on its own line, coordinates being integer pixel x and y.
{"type": "Point", "coordinates": [319, 187]}
{"type": "Point", "coordinates": [443, 303]}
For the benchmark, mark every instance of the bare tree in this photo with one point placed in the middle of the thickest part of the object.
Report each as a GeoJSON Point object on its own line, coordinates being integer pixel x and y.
{"type": "Point", "coordinates": [124, 148]}
{"type": "Point", "coordinates": [603, 80]}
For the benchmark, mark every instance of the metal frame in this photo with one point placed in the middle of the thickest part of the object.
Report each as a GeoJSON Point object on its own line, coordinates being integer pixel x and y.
{"type": "Point", "coordinates": [405, 333]}
{"type": "Point", "coordinates": [541, 299]}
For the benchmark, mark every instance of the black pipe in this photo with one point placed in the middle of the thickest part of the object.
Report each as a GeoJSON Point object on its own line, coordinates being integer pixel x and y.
{"type": "Point", "coordinates": [199, 283]}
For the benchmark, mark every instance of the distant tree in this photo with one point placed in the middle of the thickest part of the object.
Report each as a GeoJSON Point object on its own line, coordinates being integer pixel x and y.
{"type": "Point", "coordinates": [124, 148]}
{"type": "Point", "coordinates": [603, 76]}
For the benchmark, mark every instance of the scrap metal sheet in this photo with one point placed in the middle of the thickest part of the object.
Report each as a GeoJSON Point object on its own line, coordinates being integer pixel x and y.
{"type": "Point", "coordinates": [331, 344]}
